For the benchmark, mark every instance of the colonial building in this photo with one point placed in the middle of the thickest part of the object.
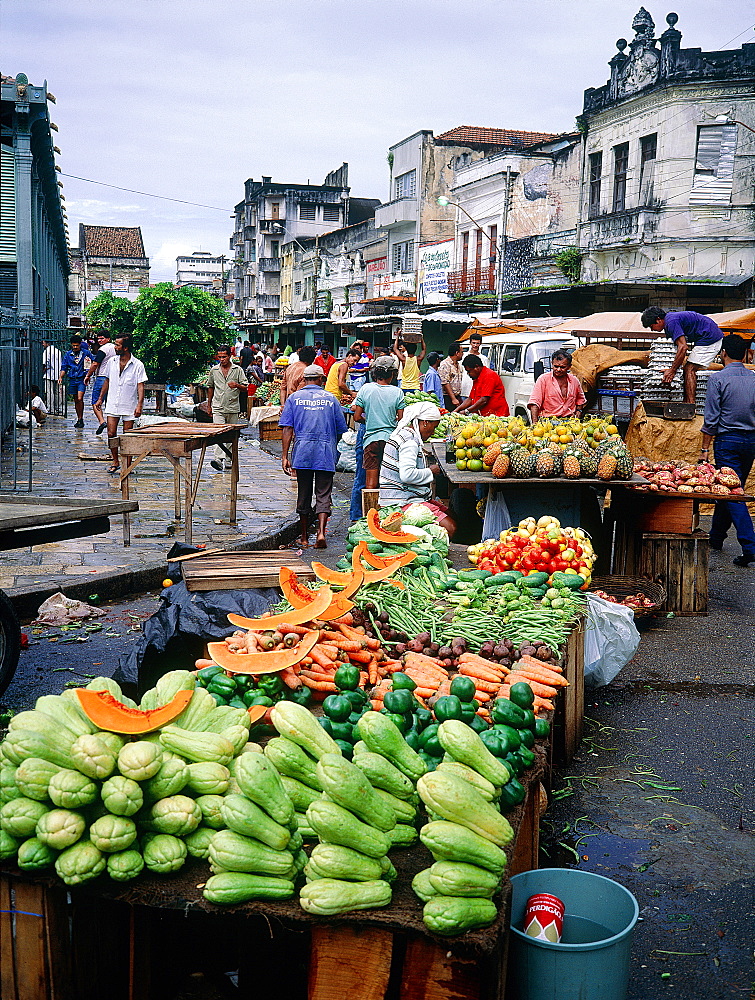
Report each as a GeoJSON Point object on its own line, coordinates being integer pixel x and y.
{"type": "Point", "coordinates": [523, 200]}
{"type": "Point", "coordinates": [667, 212]}
{"type": "Point", "coordinates": [201, 270]}
{"type": "Point", "coordinates": [33, 226]}
{"type": "Point", "coordinates": [272, 215]}
{"type": "Point", "coordinates": [108, 258]}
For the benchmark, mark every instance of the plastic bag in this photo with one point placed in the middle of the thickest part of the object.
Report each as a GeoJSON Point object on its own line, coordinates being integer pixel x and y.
{"type": "Point", "coordinates": [497, 517]}
{"type": "Point", "coordinates": [347, 454]}
{"type": "Point", "coordinates": [611, 640]}
{"type": "Point", "coordinates": [61, 610]}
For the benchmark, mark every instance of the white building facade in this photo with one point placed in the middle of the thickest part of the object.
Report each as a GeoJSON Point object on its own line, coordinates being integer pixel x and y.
{"type": "Point", "coordinates": [200, 269]}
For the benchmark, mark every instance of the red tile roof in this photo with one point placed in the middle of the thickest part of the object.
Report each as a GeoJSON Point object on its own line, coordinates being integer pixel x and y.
{"type": "Point", "coordinates": [465, 135]}
{"type": "Point", "coordinates": [111, 241]}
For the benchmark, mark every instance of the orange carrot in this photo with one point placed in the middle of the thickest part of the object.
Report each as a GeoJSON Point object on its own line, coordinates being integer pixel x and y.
{"type": "Point", "coordinates": [362, 656]}
{"type": "Point", "coordinates": [319, 685]}
{"type": "Point", "coordinates": [320, 657]}
{"type": "Point", "coordinates": [351, 633]}
{"type": "Point", "coordinates": [372, 672]}
{"type": "Point", "coordinates": [392, 666]}
{"type": "Point", "coordinates": [546, 676]}
{"type": "Point", "coordinates": [445, 687]}
{"type": "Point", "coordinates": [489, 687]}
{"type": "Point", "coordinates": [482, 695]}
{"type": "Point", "coordinates": [542, 663]}
{"type": "Point", "coordinates": [376, 705]}
{"type": "Point", "coordinates": [294, 629]}
{"type": "Point", "coordinates": [474, 670]}
{"type": "Point", "coordinates": [540, 689]}
{"type": "Point", "coordinates": [347, 619]}
{"type": "Point", "coordinates": [290, 678]}
{"type": "Point", "coordinates": [430, 661]}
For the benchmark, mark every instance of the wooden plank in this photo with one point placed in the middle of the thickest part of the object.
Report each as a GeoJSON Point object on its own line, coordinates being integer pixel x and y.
{"type": "Point", "coordinates": [432, 973]}
{"type": "Point", "coordinates": [30, 951]}
{"type": "Point", "coordinates": [57, 930]}
{"type": "Point", "coordinates": [674, 570]}
{"type": "Point", "coordinates": [527, 844]}
{"type": "Point", "coordinates": [7, 964]}
{"type": "Point", "coordinates": [347, 963]}
{"type": "Point", "coordinates": [688, 573]}
{"type": "Point", "coordinates": [702, 553]}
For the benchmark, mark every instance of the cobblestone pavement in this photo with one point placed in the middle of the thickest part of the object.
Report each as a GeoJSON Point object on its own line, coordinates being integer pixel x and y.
{"type": "Point", "coordinates": [266, 506]}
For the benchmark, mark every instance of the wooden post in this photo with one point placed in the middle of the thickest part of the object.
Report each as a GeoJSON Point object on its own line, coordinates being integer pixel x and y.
{"type": "Point", "coordinates": [188, 500]}
{"type": "Point", "coordinates": [527, 845]}
{"type": "Point", "coordinates": [430, 974]}
{"type": "Point", "coordinates": [125, 463]}
{"type": "Point", "coordinates": [7, 968]}
{"type": "Point", "coordinates": [570, 709]}
{"type": "Point", "coordinates": [346, 963]}
{"type": "Point", "coordinates": [177, 493]}
{"type": "Point", "coordinates": [234, 476]}
{"type": "Point", "coordinates": [30, 952]}
{"type": "Point", "coordinates": [370, 501]}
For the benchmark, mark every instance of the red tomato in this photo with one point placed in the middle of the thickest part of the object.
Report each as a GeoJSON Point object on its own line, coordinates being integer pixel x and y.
{"type": "Point", "coordinates": [559, 565]}
{"type": "Point", "coordinates": [487, 564]}
{"type": "Point", "coordinates": [510, 556]}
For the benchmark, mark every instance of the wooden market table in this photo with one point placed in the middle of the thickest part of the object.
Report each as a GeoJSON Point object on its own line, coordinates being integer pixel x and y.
{"type": "Point", "coordinates": [177, 442]}
{"type": "Point", "coordinates": [135, 941]}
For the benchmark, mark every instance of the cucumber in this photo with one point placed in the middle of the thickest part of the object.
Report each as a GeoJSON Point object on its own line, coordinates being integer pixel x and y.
{"type": "Point", "coordinates": [534, 580]}
{"type": "Point", "coordinates": [469, 575]}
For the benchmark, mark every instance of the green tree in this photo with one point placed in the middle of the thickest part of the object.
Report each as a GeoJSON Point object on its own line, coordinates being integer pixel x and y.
{"type": "Point", "coordinates": [110, 313]}
{"type": "Point", "coordinates": [176, 331]}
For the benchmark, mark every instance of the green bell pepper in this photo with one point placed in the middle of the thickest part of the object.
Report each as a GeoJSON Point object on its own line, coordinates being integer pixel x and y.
{"type": "Point", "coordinates": [402, 681]}
{"type": "Point", "coordinates": [448, 707]}
{"type": "Point", "coordinates": [337, 707]}
{"type": "Point", "coordinates": [463, 687]}
{"type": "Point", "coordinates": [347, 678]}
{"type": "Point", "coordinates": [399, 702]}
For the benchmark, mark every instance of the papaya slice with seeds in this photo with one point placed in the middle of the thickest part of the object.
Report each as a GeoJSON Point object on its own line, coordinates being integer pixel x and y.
{"type": "Point", "coordinates": [111, 715]}
{"type": "Point", "coordinates": [262, 663]}
{"type": "Point", "coordinates": [376, 575]}
{"type": "Point", "coordinates": [380, 562]}
{"type": "Point", "coordinates": [381, 535]}
{"type": "Point", "coordinates": [298, 616]}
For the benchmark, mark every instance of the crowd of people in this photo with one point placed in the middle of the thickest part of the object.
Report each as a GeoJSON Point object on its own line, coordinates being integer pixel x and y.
{"type": "Point", "coordinates": [372, 382]}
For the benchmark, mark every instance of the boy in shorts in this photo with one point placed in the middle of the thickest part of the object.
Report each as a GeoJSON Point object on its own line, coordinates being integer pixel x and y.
{"type": "Point", "coordinates": [73, 366]}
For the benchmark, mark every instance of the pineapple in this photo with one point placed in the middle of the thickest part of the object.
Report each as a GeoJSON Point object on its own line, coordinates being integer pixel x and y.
{"type": "Point", "coordinates": [588, 465]}
{"type": "Point", "coordinates": [544, 464]}
{"type": "Point", "coordinates": [571, 464]}
{"type": "Point", "coordinates": [501, 466]}
{"type": "Point", "coordinates": [492, 453]}
{"type": "Point", "coordinates": [624, 462]}
{"type": "Point", "coordinates": [521, 463]}
{"type": "Point", "coordinates": [558, 459]}
{"type": "Point", "coordinates": [584, 447]}
{"type": "Point", "coordinates": [607, 466]}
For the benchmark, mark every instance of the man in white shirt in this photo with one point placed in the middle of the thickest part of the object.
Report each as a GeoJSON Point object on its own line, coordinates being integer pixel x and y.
{"type": "Point", "coordinates": [124, 387]}
{"type": "Point", "coordinates": [96, 371]}
{"type": "Point", "coordinates": [38, 408]}
{"type": "Point", "coordinates": [51, 358]}
{"type": "Point", "coordinates": [475, 343]}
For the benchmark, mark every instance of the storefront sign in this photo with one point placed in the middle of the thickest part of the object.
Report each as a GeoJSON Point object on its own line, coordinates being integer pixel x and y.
{"type": "Point", "coordinates": [434, 263]}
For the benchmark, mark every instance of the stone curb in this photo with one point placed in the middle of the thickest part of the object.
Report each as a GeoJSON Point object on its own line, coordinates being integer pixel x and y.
{"type": "Point", "coordinates": [110, 586]}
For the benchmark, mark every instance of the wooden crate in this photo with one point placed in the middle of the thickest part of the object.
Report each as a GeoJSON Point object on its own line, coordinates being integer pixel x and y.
{"type": "Point", "coordinates": [242, 570]}
{"type": "Point", "coordinates": [569, 716]}
{"type": "Point", "coordinates": [270, 431]}
{"type": "Point", "coordinates": [679, 562]}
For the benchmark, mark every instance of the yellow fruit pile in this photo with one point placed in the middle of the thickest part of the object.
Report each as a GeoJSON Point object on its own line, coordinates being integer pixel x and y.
{"type": "Point", "coordinates": [475, 438]}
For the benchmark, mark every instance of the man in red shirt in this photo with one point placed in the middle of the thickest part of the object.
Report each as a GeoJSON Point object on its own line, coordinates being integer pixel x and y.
{"type": "Point", "coordinates": [325, 359]}
{"type": "Point", "coordinates": [488, 395]}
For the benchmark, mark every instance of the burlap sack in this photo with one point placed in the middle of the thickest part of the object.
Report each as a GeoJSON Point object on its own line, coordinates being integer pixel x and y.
{"type": "Point", "coordinates": [588, 363]}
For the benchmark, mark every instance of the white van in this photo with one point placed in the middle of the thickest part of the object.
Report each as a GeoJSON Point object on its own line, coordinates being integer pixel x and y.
{"type": "Point", "coordinates": [520, 358]}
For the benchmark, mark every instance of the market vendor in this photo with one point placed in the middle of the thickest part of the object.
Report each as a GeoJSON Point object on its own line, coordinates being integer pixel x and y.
{"type": "Point", "coordinates": [488, 395]}
{"type": "Point", "coordinates": [686, 328]}
{"type": "Point", "coordinates": [730, 421]}
{"type": "Point", "coordinates": [557, 393]}
{"type": "Point", "coordinates": [405, 476]}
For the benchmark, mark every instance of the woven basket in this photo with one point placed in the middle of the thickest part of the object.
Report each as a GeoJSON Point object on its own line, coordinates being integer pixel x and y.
{"type": "Point", "coordinates": [623, 586]}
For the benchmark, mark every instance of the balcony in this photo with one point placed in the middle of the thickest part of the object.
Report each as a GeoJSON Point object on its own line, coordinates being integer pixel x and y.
{"type": "Point", "coordinates": [249, 232]}
{"type": "Point", "coordinates": [269, 264]}
{"type": "Point", "coordinates": [266, 301]}
{"type": "Point", "coordinates": [271, 225]}
{"type": "Point", "coordinates": [472, 280]}
{"type": "Point", "coordinates": [396, 213]}
{"type": "Point", "coordinates": [637, 225]}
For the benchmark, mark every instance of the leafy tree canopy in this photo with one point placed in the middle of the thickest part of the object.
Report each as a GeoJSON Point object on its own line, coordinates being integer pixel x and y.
{"type": "Point", "coordinates": [176, 331]}
{"type": "Point", "coordinates": [110, 313]}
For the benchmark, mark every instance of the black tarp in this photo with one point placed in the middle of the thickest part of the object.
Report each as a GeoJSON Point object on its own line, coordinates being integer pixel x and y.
{"type": "Point", "coordinates": [176, 634]}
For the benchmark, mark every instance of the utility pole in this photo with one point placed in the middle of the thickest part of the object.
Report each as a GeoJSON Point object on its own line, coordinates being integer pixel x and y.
{"type": "Point", "coordinates": [502, 251]}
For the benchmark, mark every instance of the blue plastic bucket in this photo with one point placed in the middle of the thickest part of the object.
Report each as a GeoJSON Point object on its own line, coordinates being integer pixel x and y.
{"type": "Point", "coordinates": [591, 962]}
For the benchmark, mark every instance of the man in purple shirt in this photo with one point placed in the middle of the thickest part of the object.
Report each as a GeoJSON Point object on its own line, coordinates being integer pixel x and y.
{"type": "Point", "coordinates": [686, 328]}
{"type": "Point", "coordinates": [730, 421]}
{"type": "Point", "coordinates": [313, 419]}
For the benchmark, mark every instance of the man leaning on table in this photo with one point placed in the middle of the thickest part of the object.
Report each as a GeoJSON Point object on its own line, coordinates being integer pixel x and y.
{"type": "Point", "coordinates": [226, 378]}
{"type": "Point", "coordinates": [730, 421]}
{"type": "Point", "coordinates": [557, 393]}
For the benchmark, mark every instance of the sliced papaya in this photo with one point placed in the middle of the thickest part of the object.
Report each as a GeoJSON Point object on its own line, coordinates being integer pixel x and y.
{"type": "Point", "coordinates": [298, 616]}
{"type": "Point", "coordinates": [380, 562]}
{"type": "Point", "coordinates": [332, 576]}
{"type": "Point", "coordinates": [376, 575]}
{"type": "Point", "coordinates": [296, 593]}
{"type": "Point", "coordinates": [256, 712]}
{"type": "Point", "coordinates": [111, 715]}
{"type": "Point", "coordinates": [262, 663]}
{"type": "Point", "coordinates": [379, 533]}
{"type": "Point", "coordinates": [339, 606]}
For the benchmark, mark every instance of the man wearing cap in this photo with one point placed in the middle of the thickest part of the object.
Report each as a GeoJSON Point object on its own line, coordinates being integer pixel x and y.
{"type": "Point", "coordinates": [313, 420]}
{"type": "Point", "coordinates": [379, 405]}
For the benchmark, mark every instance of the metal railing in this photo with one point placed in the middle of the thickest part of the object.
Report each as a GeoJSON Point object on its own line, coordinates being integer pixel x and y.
{"type": "Point", "coordinates": [25, 361]}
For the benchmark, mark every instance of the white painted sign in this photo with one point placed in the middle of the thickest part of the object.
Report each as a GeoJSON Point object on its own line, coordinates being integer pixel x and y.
{"type": "Point", "coordinates": [433, 264]}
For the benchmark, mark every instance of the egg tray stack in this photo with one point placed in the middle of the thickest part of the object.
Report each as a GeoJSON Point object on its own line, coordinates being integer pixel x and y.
{"type": "Point", "coordinates": [662, 353]}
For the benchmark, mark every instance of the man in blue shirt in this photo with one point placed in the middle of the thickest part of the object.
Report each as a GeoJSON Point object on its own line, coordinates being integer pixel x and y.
{"type": "Point", "coordinates": [686, 328]}
{"type": "Point", "coordinates": [72, 365]}
{"type": "Point", "coordinates": [313, 420]}
{"type": "Point", "coordinates": [378, 406]}
{"type": "Point", "coordinates": [431, 381]}
{"type": "Point", "coordinates": [730, 420]}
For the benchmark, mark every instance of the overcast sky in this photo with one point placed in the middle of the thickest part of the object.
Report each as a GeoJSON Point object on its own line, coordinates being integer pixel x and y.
{"type": "Point", "coordinates": [188, 98]}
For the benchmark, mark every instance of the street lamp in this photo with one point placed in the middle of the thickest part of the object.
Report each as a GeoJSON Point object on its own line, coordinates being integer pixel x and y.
{"type": "Point", "coordinates": [443, 201]}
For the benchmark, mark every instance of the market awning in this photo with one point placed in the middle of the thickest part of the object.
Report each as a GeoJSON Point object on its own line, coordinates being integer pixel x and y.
{"type": "Point", "coordinates": [501, 327]}
{"type": "Point", "coordinates": [608, 323]}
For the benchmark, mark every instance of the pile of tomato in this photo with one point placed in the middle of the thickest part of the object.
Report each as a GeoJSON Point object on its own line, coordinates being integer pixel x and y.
{"type": "Point", "coordinates": [536, 547]}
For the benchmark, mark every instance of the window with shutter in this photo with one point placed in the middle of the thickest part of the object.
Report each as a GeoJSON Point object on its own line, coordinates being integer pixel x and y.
{"type": "Point", "coordinates": [596, 171]}
{"type": "Point", "coordinates": [331, 213]}
{"type": "Point", "coordinates": [714, 165]}
{"type": "Point", "coordinates": [648, 149]}
{"type": "Point", "coordinates": [307, 212]}
{"type": "Point", "coordinates": [620, 166]}
{"type": "Point", "coordinates": [406, 185]}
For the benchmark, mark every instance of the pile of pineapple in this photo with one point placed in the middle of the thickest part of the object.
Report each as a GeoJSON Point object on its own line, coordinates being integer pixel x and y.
{"type": "Point", "coordinates": [571, 448]}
